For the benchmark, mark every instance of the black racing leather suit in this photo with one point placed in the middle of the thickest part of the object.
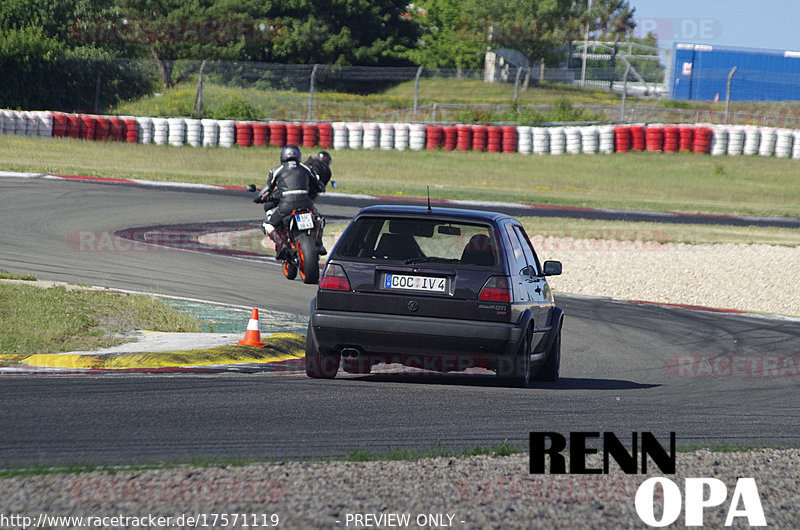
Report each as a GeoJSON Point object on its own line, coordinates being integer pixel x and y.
{"type": "Point", "coordinates": [322, 170]}
{"type": "Point", "coordinates": [289, 187]}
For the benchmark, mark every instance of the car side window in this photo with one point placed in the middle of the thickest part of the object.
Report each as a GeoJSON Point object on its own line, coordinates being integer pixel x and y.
{"type": "Point", "coordinates": [520, 263]}
{"type": "Point", "coordinates": [530, 254]}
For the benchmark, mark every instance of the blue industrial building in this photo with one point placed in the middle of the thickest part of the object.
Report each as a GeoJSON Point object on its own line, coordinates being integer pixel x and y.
{"type": "Point", "coordinates": [700, 72]}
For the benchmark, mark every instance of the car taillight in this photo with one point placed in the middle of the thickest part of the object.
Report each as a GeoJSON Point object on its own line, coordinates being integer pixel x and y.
{"type": "Point", "coordinates": [334, 279]}
{"type": "Point", "coordinates": [496, 289]}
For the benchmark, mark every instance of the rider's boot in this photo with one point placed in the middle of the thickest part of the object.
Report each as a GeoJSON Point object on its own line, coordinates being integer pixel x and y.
{"type": "Point", "coordinates": [281, 249]}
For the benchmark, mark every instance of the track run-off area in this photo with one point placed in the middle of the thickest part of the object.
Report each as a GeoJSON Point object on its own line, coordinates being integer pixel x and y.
{"type": "Point", "coordinates": [715, 379]}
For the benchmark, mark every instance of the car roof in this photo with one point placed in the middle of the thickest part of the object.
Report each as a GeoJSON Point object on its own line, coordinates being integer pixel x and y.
{"type": "Point", "coordinates": [456, 214]}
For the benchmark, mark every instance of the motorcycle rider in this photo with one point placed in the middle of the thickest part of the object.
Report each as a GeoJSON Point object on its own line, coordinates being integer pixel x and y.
{"type": "Point", "coordinates": [288, 187]}
{"type": "Point", "coordinates": [320, 164]}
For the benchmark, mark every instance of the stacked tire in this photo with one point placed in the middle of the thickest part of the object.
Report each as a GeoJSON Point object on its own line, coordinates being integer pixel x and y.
{"type": "Point", "coordinates": [784, 144]}
{"type": "Point", "coordinates": [672, 139]}
{"type": "Point", "coordinates": [449, 137]}
{"type": "Point", "coordinates": [210, 132]}
{"type": "Point", "coordinates": [654, 138]}
{"type": "Point", "coordinates": [416, 137]}
{"type": "Point", "coordinates": [310, 134]}
{"type": "Point", "coordinates": [400, 136]}
{"type": "Point", "coordinates": [355, 133]}
{"type": "Point", "coordinates": [433, 136]}
{"type": "Point", "coordinates": [494, 139]}
{"type": "Point", "coordinates": [573, 140]}
{"type": "Point", "coordinates": [509, 138]}
{"type": "Point", "coordinates": [623, 140]}
{"type": "Point", "coordinates": [735, 141]}
{"type": "Point", "coordinates": [260, 134]}
{"type": "Point", "coordinates": [88, 128]}
{"type": "Point", "coordinates": [371, 135]}
{"type": "Point", "coordinates": [796, 145]}
{"type": "Point", "coordinates": [194, 132]}
{"type": "Point", "coordinates": [160, 131]}
{"type": "Point", "coordinates": [387, 136]}
{"type": "Point", "coordinates": [702, 139]}
{"type": "Point", "coordinates": [277, 134]}
{"type": "Point", "coordinates": [719, 140]}
{"type": "Point", "coordinates": [45, 121]}
{"type": "Point", "coordinates": [590, 140]}
{"type": "Point", "coordinates": [686, 141]}
{"type": "Point", "coordinates": [131, 130]}
{"type": "Point", "coordinates": [558, 141]}
{"type": "Point", "coordinates": [294, 134]}
{"type": "Point", "coordinates": [117, 129]}
{"type": "Point", "coordinates": [227, 133]}
{"type": "Point", "coordinates": [325, 135]}
{"type": "Point", "coordinates": [540, 140]}
{"type": "Point", "coordinates": [524, 140]}
{"type": "Point", "coordinates": [244, 133]}
{"type": "Point", "coordinates": [177, 131]}
{"type": "Point", "coordinates": [769, 138]}
{"type": "Point", "coordinates": [638, 138]}
{"type": "Point", "coordinates": [480, 137]}
{"type": "Point", "coordinates": [463, 137]}
{"type": "Point", "coordinates": [752, 139]}
{"type": "Point", "coordinates": [339, 135]}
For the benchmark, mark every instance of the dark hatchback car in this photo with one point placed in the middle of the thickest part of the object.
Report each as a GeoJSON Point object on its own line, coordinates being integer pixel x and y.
{"type": "Point", "coordinates": [439, 289]}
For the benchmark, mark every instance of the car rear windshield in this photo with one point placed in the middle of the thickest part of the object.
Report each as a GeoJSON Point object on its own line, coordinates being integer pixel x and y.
{"type": "Point", "coordinates": [425, 241]}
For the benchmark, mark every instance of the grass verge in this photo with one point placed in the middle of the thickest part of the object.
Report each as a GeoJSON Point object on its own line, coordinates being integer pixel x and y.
{"type": "Point", "coordinates": [48, 320]}
{"type": "Point", "coordinates": [648, 181]}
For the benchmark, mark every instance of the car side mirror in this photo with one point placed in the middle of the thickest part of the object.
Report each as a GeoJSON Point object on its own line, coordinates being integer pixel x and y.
{"type": "Point", "coordinates": [552, 268]}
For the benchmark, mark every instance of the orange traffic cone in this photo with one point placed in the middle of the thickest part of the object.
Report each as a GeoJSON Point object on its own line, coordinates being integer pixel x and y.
{"type": "Point", "coordinates": [252, 337]}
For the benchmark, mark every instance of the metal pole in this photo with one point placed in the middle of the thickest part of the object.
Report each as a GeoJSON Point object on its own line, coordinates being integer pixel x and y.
{"type": "Point", "coordinates": [97, 95]}
{"type": "Point", "coordinates": [311, 91]}
{"type": "Point", "coordinates": [198, 98]}
{"type": "Point", "coordinates": [416, 91]}
{"type": "Point", "coordinates": [728, 91]}
{"type": "Point", "coordinates": [516, 84]}
{"type": "Point", "coordinates": [624, 92]}
{"type": "Point", "coordinates": [585, 47]}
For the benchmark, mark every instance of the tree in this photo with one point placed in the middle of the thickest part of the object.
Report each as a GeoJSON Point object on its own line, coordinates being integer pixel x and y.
{"type": "Point", "coordinates": [176, 29]}
{"type": "Point", "coordinates": [536, 28]}
{"type": "Point", "coordinates": [443, 44]}
{"type": "Point", "coordinates": [339, 32]}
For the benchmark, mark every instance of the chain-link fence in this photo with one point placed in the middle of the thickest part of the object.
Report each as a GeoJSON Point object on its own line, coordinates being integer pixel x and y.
{"type": "Point", "coordinates": [247, 90]}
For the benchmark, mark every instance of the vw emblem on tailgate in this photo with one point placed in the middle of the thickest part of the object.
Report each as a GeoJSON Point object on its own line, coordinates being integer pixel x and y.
{"type": "Point", "coordinates": [413, 306]}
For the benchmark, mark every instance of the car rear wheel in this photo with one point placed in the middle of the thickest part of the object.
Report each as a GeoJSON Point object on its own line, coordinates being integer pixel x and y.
{"type": "Point", "coordinates": [552, 364]}
{"type": "Point", "coordinates": [519, 373]}
{"type": "Point", "coordinates": [307, 258]}
{"type": "Point", "coordinates": [319, 365]}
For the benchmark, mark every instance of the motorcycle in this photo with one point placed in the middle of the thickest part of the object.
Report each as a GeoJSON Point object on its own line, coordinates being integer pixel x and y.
{"type": "Point", "coordinates": [300, 231]}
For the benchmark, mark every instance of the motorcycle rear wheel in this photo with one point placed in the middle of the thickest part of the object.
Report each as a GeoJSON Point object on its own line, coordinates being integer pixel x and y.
{"type": "Point", "coordinates": [307, 258]}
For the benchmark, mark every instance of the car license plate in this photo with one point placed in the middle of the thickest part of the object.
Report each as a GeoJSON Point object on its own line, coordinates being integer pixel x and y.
{"type": "Point", "coordinates": [305, 221]}
{"type": "Point", "coordinates": [416, 283]}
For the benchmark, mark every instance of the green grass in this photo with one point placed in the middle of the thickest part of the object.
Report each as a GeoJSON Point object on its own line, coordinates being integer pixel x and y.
{"type": "Point", "coordinates": [286, 104]}
{"type": "Point", "coordinates": [649, 181]}
{"type": "Point", "coordinates": [362, 454]}
{"type": "Point", "coordinates": [48, 320]}
{"type": "Point", "coordinates": [11, 276]}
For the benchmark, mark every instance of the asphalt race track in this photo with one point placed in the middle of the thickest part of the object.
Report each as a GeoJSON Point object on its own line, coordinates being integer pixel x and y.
{"type": "Point", "coordinates": [626, 367]}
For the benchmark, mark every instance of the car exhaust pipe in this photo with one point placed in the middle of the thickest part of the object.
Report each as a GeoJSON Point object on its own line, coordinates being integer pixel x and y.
{"type": "Point", "coordinates": [350, 353]}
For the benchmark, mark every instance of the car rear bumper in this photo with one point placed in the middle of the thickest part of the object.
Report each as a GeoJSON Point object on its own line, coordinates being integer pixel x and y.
{"type": "Point", "coordinates": [385, 335]}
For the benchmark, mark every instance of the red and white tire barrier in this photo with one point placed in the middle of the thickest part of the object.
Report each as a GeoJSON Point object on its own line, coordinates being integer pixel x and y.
{"type": "Point", "coordinates": [716, 140]}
